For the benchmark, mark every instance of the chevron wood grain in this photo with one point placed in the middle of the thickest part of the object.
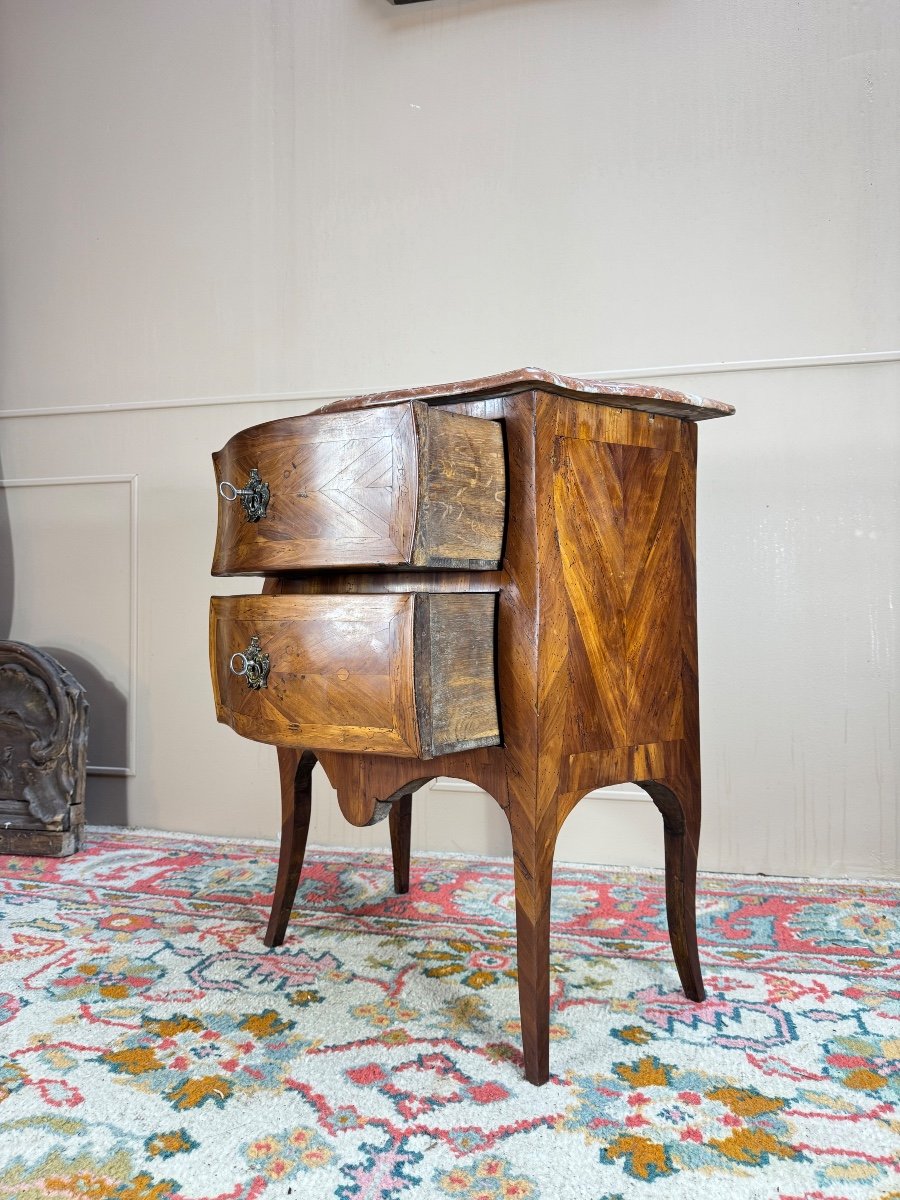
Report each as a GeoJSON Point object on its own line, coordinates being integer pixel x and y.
{"type": "Point", "coordinates": [594, 646]}
{"type": "Point", "coordinates": [403, 674]}
{"type": "Point", "coordinates": [397, 485]}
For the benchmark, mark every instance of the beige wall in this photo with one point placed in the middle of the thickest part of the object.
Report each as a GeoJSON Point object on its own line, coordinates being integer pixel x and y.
{"type": "Point", "coordinates": [210, 208]}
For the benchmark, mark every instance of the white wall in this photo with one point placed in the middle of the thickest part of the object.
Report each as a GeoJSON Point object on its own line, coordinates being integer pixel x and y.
{"type": "Point", "coordinates": [212, 206]}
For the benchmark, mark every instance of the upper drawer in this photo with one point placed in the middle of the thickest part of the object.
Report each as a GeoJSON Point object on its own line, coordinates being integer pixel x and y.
{"type": "Point", "coordinates": [401, 485]}
{"type": "Point", "coordinates": [410, 674]}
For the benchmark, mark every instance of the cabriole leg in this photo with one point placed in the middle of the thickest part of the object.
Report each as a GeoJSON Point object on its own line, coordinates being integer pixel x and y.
{"type": "Point", "coordinates": [295, 768]}
{"type": "Point", "coordinates": [679, 803]}
{"type": "Point", "coordinates": [533, 863]}
{"type": "Point", "coordinates": [400, 821]}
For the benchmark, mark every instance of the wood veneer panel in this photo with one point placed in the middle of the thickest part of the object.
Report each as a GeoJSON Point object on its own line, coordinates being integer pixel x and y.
{"type": "Point", "coordinates": [398, 485]}
{"type": "Point", "coordinates": [618, 513]}
{"type": "Point", "coordinates": [407, 674]}
{"type": "Point", "coordinates": [588, 507]}
{"type": "Point", "coordinates": [340, 671]}
{"type": "Point", "coordinates": [651, 489]}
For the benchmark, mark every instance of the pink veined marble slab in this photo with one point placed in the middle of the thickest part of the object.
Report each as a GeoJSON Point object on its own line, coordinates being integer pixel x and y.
{"type": "Point", "coordinates": [618, 394]}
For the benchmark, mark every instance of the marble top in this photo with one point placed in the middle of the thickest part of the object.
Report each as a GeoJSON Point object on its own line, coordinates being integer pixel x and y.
{"type": "Point", "coordinates": [617, 393]}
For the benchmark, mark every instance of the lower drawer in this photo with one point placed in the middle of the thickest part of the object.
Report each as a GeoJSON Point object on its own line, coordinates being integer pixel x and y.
{"type": "Point", "coordinates": [411, 674]}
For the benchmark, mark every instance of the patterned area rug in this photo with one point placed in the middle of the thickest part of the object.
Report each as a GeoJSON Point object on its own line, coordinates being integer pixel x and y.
{"type": "Point", "coordinates": [151, 1048]}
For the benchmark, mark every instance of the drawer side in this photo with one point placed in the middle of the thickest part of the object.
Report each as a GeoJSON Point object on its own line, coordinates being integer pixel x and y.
{"type": "Point", "coordinates": [462, 491]}
{"type": "Point", "coordinates": [456, 685]}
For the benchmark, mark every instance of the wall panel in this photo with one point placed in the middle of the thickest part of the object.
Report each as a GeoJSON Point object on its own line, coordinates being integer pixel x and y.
{"type": "Point", "coordinates": [73, 590]}
{"type": "Point", "coordinates": [217, 213]}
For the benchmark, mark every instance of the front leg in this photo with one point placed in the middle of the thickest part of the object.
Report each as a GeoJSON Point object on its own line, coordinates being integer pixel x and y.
{"type": "Point", "coordinates": [532, 846]}
{"type": "Point", "coordinates": [295, 768]}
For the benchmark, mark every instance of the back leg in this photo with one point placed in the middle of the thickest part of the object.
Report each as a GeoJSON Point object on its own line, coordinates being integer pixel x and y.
{"type": "Point", "coordinates": [400, 820]}
{"type": "Point", "coordinates": [679, 803]}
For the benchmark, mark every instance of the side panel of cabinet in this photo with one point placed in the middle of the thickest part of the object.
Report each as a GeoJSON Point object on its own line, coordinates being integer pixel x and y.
{"type": "Point", "coordinates": [619, 500]}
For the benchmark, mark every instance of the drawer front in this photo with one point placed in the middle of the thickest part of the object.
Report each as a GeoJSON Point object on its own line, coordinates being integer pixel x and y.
{"type": "Point", "coordinates": [403, 485]}
{"type": "Point", "coordinates": [410, 674]}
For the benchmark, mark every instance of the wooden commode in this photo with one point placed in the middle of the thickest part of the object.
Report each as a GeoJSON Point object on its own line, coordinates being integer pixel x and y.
{"type": "Point", "coordinates": [491, 580]}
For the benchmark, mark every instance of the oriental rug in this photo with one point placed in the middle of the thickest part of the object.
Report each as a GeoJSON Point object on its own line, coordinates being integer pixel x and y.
{"type": "Point", "coordinates": [151, 1048]}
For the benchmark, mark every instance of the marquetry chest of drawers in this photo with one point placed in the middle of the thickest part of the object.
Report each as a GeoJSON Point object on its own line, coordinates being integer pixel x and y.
{"type": "Point", "coordinates": [491, 580]}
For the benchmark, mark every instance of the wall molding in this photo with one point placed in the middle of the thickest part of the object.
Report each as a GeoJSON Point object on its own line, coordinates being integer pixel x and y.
{"type": "Point", "coordinates": [324, 396]}
{"type": "Point", "coordinates": [750, 364]}
{"type": "Point", "coordinates": [128, 770]}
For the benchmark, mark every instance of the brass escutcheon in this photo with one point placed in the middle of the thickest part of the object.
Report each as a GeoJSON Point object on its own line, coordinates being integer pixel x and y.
{"type": "Point", "coordinates": [253, 663]}
{"type": "Point", "coordinates": [254, 497]}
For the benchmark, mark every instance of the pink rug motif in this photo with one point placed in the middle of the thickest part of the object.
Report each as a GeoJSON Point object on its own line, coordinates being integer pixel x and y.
{"type": "Point", "coordinates": [151, 1048]}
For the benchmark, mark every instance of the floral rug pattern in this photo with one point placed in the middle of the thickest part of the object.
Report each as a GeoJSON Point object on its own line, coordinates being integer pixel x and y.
{"type": "Point", "coordinates": [151, 1048]}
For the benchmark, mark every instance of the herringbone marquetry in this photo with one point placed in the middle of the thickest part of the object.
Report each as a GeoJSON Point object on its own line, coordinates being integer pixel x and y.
{"type": "Point", "coordinates": [589, 519]}
{"type": "Point", "coordinates": [389, 486]}
{"type": "Point", "coordinates": [409, 674]}
{"type": "Point", "coordinates": [593, 656]}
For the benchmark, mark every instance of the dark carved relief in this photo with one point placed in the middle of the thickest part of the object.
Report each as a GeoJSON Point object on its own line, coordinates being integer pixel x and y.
{"type": "Point", "coordinates": [43, 753]}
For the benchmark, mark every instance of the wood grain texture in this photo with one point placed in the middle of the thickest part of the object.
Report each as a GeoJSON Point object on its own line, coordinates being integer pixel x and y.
{"type": "Point", "coordinates": [400, 818]}
{"type": "Point", "coordinates": [344, 491]}
{"type": "Point", "coordinates": [40, 843]}
{"type": "Point", "coordinates": [456, 684]}
{"type": "Point", "coordinates": [462, 491]}
{"type": "Point", "coordinates": [295, 771]}
{"type": "Point", "coordinates": [398, 485]}
{"type": "Point", "coordinates": [596, 645]}
{"type": "Point", "coordinates": [348, 673]}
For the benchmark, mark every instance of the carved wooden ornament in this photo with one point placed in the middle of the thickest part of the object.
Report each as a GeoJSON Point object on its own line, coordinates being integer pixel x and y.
{"type": "Point", "coordinates": [43, 753]}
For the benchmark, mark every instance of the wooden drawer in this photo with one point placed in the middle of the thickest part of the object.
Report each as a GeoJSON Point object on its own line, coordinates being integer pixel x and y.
{"type": "Point", "coordinates": [400, 485]}
{"type": "Point", "coordinates": [410, 674]}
